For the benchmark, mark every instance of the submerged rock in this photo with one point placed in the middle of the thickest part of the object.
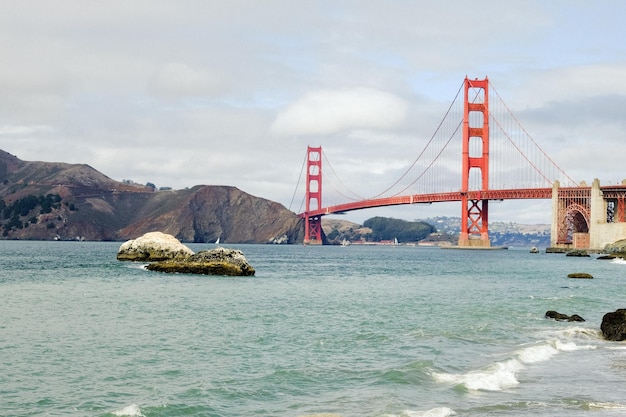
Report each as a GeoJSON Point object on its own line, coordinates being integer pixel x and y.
{"type": "Point", "coordinates": [614, 325]}
{"type": "Point", "coordinates": [563, 317]}
{"type": "Point", "coordinates": [151, 247]}
{"type": "Point", "coordinates": [583, 275]}
{"type": "Point", "coordinates": [219, 261]}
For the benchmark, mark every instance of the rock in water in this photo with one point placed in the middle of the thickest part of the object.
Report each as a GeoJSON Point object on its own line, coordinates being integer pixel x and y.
{"type": "Point", "coordinates": [577, 252]}
{"type": "Point", "coordinates": [614, 325]}
{"type": "Point", "coordinates": [563, 317]}
{"type": "Point", "coordinates": [582, 275]}
{"type": "Point", "coordinates": [152, 247]}
{"type": "Point", "coordinates": [219, 261]}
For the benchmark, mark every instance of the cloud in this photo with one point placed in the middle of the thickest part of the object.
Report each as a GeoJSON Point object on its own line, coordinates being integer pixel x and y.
{"type": "Point", "coordinates": [24, 130]}
{"type": "Point", "coordinates": [210, 92]}
{"type": "Point", "coordinates": [176, 79]}
{"type": "Point", "coordinates": [332, 111]}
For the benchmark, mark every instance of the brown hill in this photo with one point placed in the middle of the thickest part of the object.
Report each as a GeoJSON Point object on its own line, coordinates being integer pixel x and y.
{"type": "Point", "coordinates": [53, 200]}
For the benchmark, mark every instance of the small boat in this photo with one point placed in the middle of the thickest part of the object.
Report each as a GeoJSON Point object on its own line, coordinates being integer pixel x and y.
{"type": "Point", "coordinates": [217, 242]}
{"type": "Point", "coordinates": [345, 242]}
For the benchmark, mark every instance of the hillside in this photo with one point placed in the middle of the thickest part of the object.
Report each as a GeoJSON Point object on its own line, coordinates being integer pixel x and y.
{"type": "Point", "coordinates": [500, 233]}
{"type": "Point", "coordinates": [447, 230]}
{"type": "Point", "coordinates": [55, 200]}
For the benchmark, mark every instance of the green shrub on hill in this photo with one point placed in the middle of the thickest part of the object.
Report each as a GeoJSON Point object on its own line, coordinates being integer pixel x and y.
{"type": "Point", "coordinates": [384, 228]}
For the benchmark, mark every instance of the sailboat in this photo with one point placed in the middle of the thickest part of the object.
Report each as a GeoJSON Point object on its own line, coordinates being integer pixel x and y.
{"type": "Point", "coordinates": [217, 242]}
{"type": "Point", "coordinates": [395, 241]}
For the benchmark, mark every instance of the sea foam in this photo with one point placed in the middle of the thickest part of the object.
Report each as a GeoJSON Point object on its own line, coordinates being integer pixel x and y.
{"type": "Point", "coordinates": [434, 412]}
{"type": "Point", "coordinates": [131, 410]}
{"type": "Point", "coordinates": [495, 377]}
{"type": "Point", "coordinates": [606, 406]}
{"type": "Point", "coordinates": [503, 375]}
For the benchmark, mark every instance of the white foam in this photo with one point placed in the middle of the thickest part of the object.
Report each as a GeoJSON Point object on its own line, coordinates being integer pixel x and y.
{"type": "Point", "coordinates": [503, 375]}
{"type": "Point", "coordinates": [496, 377]}
{"type": "Point", "coordinates": [607, 406]}
{"type": "Point", "coordinates": [581, 332]}
{"type": "Point", "coordinates": [435, 412]}
{"type": "Point", "coordinates": [621, 261]}
{"type": "Point", "coordinates": [537, 353]}
{"type": "Point", "coordinates": [132, 410]}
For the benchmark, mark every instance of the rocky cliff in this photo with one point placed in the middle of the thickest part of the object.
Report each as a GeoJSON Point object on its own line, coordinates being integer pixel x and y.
{"type": "Point", "coordinates": [52, 200]}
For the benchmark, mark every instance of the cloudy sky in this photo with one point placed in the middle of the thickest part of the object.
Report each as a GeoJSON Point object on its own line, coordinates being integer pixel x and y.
{"type": "Point", "coordinates": [181, 93]}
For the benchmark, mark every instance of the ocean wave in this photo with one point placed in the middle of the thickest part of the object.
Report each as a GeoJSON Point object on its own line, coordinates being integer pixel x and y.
{"type": "Point", "coordinates": [131, 410]}
{"type": "Point", "coordinates": [503, 375]}
{"type": "Point", "coordinates": [576, 338]}
{"type": "Point", "coordinates": [435, 412]}
{"type": "Point", "coordinates": [495, 377]}
{"type": "Point", "coordinates": [605, 406]}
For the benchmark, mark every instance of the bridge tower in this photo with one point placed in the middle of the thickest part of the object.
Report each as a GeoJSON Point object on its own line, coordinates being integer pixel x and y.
{"type": "Point", "coordinates": [475, 157]}
{"type": "Point", "coordinates": [313, 225]}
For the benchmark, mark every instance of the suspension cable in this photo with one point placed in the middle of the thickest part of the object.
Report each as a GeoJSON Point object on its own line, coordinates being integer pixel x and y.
{"type": "Point", "coordinates": [425, 147]}
{"type": "Point", "coordinates": [298, 183]}
{"type": "Point", "coordinates": [520, 151]}
{"type": "Point", "coordinates": [433, 161]}
{"type": "Point", "coordinates": [530, 137]}
{"type": "Point", "coordinates": [358, 197]}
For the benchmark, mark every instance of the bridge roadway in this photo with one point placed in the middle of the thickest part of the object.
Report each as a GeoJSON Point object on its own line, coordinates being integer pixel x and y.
{"type": "Point", "coordinates": [511, 194]}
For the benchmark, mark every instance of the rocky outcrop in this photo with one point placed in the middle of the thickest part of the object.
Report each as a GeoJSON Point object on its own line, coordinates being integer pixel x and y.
{"type": "Point", "coordinates": [153, 246]}
{"type": "Point", "coordinates": [551, 314]}
{"type": "Point", "coordinates": [617, 249]}
{"type": "Point", "coordinates": [614, 325]}
{"type": "Point", "coordinates": [219, 261]}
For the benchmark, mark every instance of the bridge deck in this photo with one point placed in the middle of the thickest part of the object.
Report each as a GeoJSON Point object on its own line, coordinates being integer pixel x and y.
{"type": "Point", "coordinates": [512, 194]}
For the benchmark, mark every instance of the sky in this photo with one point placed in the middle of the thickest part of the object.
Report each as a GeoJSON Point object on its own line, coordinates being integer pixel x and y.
{"type": "Point", "coordinates": [182, 93]}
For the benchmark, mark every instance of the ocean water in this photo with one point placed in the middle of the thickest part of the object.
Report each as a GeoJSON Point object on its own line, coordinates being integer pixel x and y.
{"type": "Point", "coordinates": [348, 331]}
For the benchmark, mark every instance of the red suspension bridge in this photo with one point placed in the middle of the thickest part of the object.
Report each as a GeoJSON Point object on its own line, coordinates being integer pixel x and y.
{"type": "Point", "coordinates": [479, 135]}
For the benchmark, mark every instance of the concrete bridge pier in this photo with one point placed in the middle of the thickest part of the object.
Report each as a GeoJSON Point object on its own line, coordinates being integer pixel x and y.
{"type": "Point", "coordinates": [586, 217]}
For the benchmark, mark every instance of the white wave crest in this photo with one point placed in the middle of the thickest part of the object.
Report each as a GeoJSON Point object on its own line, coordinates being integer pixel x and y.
{"type": "Point", "coordinates": [503, 375]}
{"type": "Point", "coordinates": [621, 261]}
{"type": "Point", "coordinates": [607, 406]}
{"type": "Point", "coordinates": [132, 410]}
{"type": "Point", "coordinates": [538, 353]}
{"type": "Point", "coordinates": [435, 412]}
{"type": "Point", "coordinates": [496, 377]}
{"type": "Point", "coordinates": [581, 333]}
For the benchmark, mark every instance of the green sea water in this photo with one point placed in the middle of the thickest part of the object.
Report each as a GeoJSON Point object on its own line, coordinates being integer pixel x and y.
{"type": "Point", "coordinates": [352, 331]}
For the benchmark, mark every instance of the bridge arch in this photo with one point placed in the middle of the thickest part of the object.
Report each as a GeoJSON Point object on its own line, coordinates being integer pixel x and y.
{"type": "Point", "coordinates": [578, 218]}
{"type": "Point", "coordinates": [575, 221]}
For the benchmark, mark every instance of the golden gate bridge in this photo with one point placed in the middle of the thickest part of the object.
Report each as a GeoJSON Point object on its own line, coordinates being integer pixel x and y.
{"type": "Point", "coordinates": [482, 144]}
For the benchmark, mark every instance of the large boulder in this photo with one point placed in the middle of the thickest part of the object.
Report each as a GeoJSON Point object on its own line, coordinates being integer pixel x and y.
{"type": "Point", "coordinates": [614, 325]}
{"type": "Point", "coordinates": [152, 247]}
{"type": "Point", "coordinates": [219, 261]}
